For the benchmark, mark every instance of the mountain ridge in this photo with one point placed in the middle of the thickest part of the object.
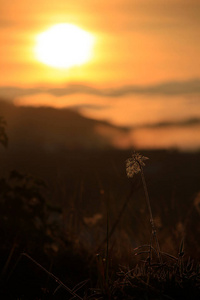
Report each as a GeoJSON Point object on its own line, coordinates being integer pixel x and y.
{"type": "Point", "coordinates": [52, 128]}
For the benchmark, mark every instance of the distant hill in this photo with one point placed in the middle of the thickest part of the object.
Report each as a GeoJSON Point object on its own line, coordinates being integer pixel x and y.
{"type": "Point", "coordinates": [51, 129]}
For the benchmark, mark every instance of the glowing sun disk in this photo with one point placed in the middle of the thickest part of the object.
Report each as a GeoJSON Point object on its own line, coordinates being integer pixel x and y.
{"type": "Point", "coordinates": [63, 46]}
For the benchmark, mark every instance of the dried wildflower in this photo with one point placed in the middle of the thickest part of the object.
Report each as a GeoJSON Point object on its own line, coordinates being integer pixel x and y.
{"type": "Point", "coordinates": [134, 164]}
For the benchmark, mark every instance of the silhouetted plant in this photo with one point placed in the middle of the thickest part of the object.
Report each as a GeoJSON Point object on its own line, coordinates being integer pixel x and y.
{"type": "Point", "coordinates": [3, 135]}
{"type": "Point", "coordinates": [135, 165]}
{"type": "Point", "coordinates": [25, 224]}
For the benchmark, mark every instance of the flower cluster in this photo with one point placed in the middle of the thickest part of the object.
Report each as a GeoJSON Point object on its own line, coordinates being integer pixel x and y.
{"type": "Point", "coordinates": [134, 164]}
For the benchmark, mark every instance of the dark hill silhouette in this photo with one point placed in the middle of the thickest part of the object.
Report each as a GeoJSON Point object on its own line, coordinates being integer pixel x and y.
{"type": "Point", "coordinates": [50, 129]}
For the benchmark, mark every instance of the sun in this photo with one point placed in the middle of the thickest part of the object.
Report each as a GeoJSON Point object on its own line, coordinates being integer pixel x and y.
{"type": "Point", "coordinates": [63, 46]}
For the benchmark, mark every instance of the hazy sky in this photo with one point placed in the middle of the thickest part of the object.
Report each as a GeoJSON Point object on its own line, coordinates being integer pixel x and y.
{"type": "Point", "coordinates": [140, 42]}
{"type": "Point", "coordinates": [140, 46]}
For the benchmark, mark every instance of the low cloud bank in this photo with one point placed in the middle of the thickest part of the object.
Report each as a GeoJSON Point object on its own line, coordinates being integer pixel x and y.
{"type": "Point", "coordinates": [166, 88]}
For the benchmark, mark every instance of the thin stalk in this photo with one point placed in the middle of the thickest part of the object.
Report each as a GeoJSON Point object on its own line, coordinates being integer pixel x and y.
{"type": "Point", "coordinates": [114, 226]}
{"type": "Point", "coordinates": [51, 275]}
{"type": "Point", "coordinates": [9, 257]}
{"type": "Point", "coordinates": [107, 245]}
{"type": "Point", "coordinates": [150, 213]}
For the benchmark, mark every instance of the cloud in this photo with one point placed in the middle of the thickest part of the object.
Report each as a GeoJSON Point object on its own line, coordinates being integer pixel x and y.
{"type": "Point", "coordinates": [182, 123]}
{"type": "Point", "coordinates": [166, 88]}
{"type": "Point", "coordinates": [176, 137]}
{"type": "Point", "coordinates": [186, 139]}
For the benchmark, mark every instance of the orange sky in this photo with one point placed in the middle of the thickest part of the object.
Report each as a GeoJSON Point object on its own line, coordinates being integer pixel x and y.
{"type": "Point", "coordinates": [138, 43]}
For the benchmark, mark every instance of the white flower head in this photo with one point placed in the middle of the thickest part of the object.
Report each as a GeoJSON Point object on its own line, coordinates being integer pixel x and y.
{"type": "Point", "coordinates": [134, 164]}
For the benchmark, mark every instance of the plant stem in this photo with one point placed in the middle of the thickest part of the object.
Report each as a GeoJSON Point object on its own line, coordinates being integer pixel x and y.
{"type": "Point", "coordinates": [107, 243]}
{"type": "Point", "coordinates": [9, 257]}
{"type": "Point", "coordinates": [114, 226]}
{"type": "Point", "coordinates": [57, 280]}
{"type": "Point", "coordinates": [150, 213]}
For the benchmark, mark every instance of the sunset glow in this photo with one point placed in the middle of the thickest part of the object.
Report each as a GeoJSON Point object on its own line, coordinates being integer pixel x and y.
{"type": "Point", "coordinates": [63, 46]}
{"type": "Point", "coordinates": [99, 149]}
{"type": "Point", "coordinates": [129, 63]}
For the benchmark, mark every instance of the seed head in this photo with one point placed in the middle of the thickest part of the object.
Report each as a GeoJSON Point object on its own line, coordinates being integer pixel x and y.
{"type": "Point", "coordinates": [134, 164]}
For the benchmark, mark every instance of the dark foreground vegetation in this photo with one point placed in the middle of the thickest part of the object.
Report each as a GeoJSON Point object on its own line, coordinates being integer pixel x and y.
{"type": "Point", "coordinates": [73, 226]}
{"type": "Point", "coordinates": [87, 245]}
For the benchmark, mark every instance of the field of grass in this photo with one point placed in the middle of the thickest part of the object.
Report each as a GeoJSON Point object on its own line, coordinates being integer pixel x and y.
{"type": "Point", "coordinates": [83, 231]}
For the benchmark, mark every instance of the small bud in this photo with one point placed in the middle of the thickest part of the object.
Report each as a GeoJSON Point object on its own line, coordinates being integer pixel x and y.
{"type": "Point", "coordinates": [134, 164]}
